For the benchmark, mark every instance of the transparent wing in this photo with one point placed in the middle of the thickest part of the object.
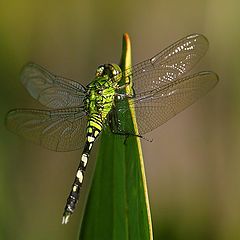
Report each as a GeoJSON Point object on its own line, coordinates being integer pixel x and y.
{"type": "Point", "coordinates": [158, 106]}
{"type": "Point", "coordinates": [168, 65]}
{"type": "Point", "coordinates": [58, 130]}
{"type": "Point", "coordinates": [51, 90]}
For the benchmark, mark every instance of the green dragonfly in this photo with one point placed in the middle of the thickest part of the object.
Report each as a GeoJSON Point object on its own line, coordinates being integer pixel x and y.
{"type": "Point", "coordinates": [78, 114]}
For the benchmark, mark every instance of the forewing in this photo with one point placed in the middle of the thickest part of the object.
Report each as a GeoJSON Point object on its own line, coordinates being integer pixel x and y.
{"type": "Point", "coordinates": [157, 107]}
{"type": "Point", "coordinates": [168, 65]}
{"type": "Point", "coordinates": [58, 130]}
{"type": "Point", "coordinates": [51, 90]}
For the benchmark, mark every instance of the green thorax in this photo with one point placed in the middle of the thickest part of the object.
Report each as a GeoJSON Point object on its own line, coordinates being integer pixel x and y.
{"type": "Point", "coordinates": [101, 91]}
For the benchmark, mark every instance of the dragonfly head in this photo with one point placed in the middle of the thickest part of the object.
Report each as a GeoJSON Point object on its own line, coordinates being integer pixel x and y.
{"type": "Point", "coordinates": [111, 70]}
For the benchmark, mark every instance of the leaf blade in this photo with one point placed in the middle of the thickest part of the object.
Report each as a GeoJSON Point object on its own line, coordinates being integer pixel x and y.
{"type": "Point", "coordinates": [117, 206]}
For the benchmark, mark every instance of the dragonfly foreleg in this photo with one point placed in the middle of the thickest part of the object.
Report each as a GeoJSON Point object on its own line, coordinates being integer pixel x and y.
{"type": "Point", "coordinates": [121, 96]}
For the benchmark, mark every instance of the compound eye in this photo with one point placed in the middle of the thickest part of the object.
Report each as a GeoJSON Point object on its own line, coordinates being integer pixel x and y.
{"type": "Point", "coordinates": [100, 70]}
{"type": "Point", "coordinates": [115, 72]}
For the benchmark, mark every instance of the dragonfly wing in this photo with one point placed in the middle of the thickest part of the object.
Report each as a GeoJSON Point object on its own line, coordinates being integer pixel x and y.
{"type": "Point", "coordinates": [51, 90]}
{"type": "Point", "coordinates": [157, 107]}
{"type": "Point", "coordinates": [168, 65]}
{"type": "Point", "coordinates": [58, 130]}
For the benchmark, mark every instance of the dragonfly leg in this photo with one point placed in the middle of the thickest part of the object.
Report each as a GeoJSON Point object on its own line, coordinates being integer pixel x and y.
{"type": "Point", "coordinates": [127, 134]}
{"type": "Point", "coordinates": [128, 82]}
{"type": "Point", "coordinates": [121, 96]}
{"type": "Point", "coordinates": [114, 125]}
{"type": "Point", "coordinates": [115, 129]}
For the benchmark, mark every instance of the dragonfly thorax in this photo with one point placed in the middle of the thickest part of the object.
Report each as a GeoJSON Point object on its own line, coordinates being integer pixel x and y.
{"type": "Point", "coordinates": [100, 96]}
{"type": "Point", "coordinates": [101, 91]}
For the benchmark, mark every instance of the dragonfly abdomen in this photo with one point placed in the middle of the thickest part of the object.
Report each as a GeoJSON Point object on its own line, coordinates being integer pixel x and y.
{"type": "Point", "coordinates": [93, 130]}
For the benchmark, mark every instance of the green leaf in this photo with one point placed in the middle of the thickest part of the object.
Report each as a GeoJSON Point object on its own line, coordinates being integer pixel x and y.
{"type": "Point", "coordinates": [117, 207]}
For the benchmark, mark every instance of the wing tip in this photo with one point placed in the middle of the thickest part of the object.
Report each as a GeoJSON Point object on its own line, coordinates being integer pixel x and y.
{"type": "Point", "coordinates": [200, 38]}
{"type": "Point", "coordinates": [215, 75]}
{"type": "Point", "coordinates": [197, 35]}
{"type": "Point", "coordinates": [213, 78]}
{"type": "Point", "coordinates": [24, 70]}
{"type": "Point", "coordinates": [10, 119]}
{"type": "Point", "coordinates": [7, 118]}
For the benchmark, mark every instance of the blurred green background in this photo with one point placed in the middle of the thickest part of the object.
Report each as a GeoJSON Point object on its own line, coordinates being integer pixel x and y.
{"type": "Point", "coordinates": [192, 166]}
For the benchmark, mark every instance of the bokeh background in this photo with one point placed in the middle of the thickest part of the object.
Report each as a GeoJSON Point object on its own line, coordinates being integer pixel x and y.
{"type": "Point", "coordinates": [193, 164]}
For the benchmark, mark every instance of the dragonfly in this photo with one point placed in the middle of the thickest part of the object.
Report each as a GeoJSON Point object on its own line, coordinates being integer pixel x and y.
{"type": "Point", "coordinates": [76, 114]}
